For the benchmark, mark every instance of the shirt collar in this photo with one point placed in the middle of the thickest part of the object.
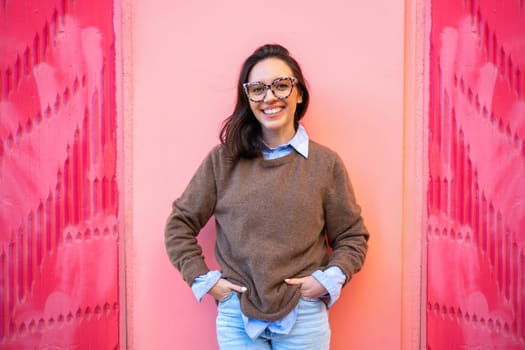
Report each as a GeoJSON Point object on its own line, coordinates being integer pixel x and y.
{"type": "Point", "coordinates": [299, 142]}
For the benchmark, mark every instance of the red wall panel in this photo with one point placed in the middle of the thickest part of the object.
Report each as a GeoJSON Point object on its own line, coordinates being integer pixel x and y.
{"type": "Point", "coordinates": [59, 227]}
{"type": "Point", "coordinates": [476, 187]}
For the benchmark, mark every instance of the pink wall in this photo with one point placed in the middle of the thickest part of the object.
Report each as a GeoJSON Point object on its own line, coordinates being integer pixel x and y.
{"type": "Point", "coordinates": [185, 58]}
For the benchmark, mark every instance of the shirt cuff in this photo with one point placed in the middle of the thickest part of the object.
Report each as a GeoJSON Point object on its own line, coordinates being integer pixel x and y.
{"type": "Point", "coordinates": [203, 283]}
{"type": "Point", "coordinates": [332, 279]}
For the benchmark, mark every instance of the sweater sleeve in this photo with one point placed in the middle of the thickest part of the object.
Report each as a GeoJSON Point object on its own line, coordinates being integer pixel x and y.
{"type": "Point", "coordinates": [345, 229]}
{"type": "Point", "coordinates": [190, 212]}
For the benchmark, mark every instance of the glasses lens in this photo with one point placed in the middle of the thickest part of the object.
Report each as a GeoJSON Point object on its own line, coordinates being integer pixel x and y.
{"type": "Point", "coordinates": [256, 91]}
{"type": "Point", "coordinates": [282, 87]}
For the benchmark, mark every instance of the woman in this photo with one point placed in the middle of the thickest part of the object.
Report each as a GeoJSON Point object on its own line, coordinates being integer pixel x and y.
{"type": "Point", "coordinates": [278, 199]}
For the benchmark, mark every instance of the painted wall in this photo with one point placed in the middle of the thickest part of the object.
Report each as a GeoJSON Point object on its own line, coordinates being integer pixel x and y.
{"type": "Point", "coordinates": [476, 185]}
{"type": "Point", "coordinates": [186, 58]}
{"type": "Point", "coordinates": [59, 203]}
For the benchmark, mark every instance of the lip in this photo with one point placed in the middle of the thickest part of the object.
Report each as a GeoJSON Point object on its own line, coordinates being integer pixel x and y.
{"type": "Point", "coordinates": [269, 108]}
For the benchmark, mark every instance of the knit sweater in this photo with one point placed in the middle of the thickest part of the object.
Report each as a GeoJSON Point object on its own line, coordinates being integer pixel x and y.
{"type": "Point", "coordinates": [273, 219]}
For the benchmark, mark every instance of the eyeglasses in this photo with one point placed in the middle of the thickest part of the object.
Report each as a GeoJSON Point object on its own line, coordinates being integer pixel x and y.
{"type": "Point", "coordinates": [281, 88]}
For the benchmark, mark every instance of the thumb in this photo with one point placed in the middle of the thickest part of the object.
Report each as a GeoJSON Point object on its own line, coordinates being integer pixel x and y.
{"type": "Point", "coordinates": [294, 281]}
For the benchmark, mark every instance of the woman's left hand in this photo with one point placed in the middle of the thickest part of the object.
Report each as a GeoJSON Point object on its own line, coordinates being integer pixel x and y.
{"type": "Point", "coordinates": [310, 287]}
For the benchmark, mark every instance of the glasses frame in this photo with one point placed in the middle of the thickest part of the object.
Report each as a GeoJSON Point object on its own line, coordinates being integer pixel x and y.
{"type": "Point", "coordinates": [267, 87]}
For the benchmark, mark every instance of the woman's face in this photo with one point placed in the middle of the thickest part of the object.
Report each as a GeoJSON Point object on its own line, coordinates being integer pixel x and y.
{"type": "Point", "coordinates": [275, 115]}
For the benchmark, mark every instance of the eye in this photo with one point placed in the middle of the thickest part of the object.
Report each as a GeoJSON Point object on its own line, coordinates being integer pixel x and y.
{"type": "Point", "coordinates": [256, 89]}
{"type": "Point", "coordinates": [282, 86]}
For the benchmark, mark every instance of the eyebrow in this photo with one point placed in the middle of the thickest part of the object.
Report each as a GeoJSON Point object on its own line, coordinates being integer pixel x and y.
{"type": "Point", "coordinates": [262, 82]}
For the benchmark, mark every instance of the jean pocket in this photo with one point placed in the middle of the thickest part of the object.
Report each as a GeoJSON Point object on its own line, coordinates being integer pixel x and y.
{"type": "Point", "coordinates": [226, 298]}
{"type": "Point", "coordinates": [311, 300]}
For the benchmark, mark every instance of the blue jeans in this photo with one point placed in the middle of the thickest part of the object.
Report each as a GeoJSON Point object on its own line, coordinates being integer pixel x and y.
{"type": "Point", "coordinates": [311, 330]}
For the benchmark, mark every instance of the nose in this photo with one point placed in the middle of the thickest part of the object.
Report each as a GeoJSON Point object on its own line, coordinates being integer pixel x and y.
{"type": "Point", "coordinates": [269, 96]}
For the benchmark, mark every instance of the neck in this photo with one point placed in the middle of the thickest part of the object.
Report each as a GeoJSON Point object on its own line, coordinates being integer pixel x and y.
{"type": "Point", "coordinates": [277, 139]}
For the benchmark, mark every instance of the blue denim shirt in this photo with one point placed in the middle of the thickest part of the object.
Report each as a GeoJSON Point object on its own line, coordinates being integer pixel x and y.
{"type": "Point", "coordinates": [331, 279]}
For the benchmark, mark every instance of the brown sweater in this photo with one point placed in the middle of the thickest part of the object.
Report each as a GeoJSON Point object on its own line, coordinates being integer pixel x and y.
{"type": "Point", "coordinates": [273, 219]}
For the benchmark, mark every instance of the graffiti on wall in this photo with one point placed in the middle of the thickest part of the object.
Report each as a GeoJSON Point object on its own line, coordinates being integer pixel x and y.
{"type": "Point", "coordinates": [476, 188]}
{"type": "Point", "coordinates": [59, 229]}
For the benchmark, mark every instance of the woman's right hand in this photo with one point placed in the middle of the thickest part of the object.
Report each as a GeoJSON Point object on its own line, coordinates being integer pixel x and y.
{"type": "Point", "coordinates": [223, 288]}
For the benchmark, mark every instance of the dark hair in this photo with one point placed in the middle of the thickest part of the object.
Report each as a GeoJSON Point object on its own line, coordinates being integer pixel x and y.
{"type": "Point", "coordinates": [241, 131]}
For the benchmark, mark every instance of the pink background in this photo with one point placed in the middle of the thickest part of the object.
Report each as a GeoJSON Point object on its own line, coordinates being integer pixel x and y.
{"type": "Point", "coordinates": [185, 59]}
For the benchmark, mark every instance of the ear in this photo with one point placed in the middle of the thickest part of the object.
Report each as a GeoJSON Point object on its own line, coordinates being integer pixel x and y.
{"type": "Point", "coordinates": [299, 96]}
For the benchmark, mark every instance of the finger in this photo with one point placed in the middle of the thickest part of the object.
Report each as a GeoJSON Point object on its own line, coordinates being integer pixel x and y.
{"type": "Point", "coordinates": [294, 281]}
{"type": "Point", "coordinates": [312, 288]}
{"type": "Point", "coordinates": [237, 288]}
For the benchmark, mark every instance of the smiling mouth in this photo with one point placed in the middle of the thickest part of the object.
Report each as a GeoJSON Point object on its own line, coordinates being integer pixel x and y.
{"type": "Point", "coordinates": [271, 111]}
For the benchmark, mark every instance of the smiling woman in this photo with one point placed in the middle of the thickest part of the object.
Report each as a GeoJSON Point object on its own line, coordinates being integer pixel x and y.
{"type": "Point", "coordinates": [277, 277]}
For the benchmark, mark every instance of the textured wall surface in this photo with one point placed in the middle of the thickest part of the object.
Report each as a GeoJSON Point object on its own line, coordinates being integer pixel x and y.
{"type": "Point", "coordinates": [476, 188]}
{"type": "Point", "coordinates": [58, 191]}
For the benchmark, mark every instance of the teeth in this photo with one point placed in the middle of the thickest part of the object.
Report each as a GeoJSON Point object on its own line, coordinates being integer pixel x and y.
{"type": "Point", "coordinates": [272, 111]}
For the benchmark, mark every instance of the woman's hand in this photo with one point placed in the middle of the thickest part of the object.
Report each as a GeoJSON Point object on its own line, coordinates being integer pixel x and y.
{"type": "Point", "coordinates": [223, 288]}
{"type": "Point", "coordinates": [310, 287]}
